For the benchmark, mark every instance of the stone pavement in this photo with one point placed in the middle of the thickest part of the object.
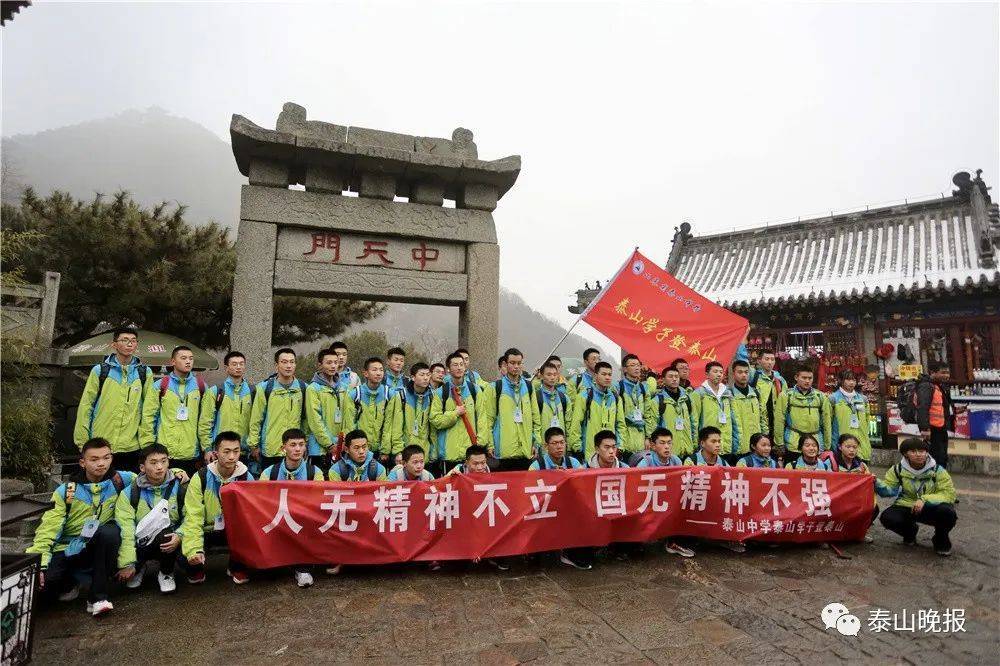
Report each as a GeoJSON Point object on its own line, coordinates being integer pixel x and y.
{"type": "Point", "coordinates": [718, 608]}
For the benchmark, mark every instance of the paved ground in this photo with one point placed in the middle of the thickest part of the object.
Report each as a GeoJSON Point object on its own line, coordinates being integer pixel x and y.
{"type": "Point", "coordinates": [718, 608]}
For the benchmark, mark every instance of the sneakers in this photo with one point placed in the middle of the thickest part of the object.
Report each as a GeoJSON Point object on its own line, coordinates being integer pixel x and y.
{"type": "Point", "coordinates": [943, 551]}
{"type": "Point", "coordinates": [501, 565]}
{"type": "Point", "coordinates": [135, 581]}
{"type": "Point", "coordinates": [167, 582]}
{"type": "Point", "coordinates": [570, 562]}
{"type": "Point", "coordinates": [434, 566]}
{"type": "Point", "coordinates": [909, 542]}
{"type": "Point", "coordinates": [302, 579]}
{"type": "Point", "coordinates": [241, 577]}
{"type": "Point", "coordinates": [734, 546]}
{"type": "Point", "coordinates": [675, 548]}
{"type": "Point", "coordinates": [197, 578]}
{"type": "Point", "coordinates": [99, 608]}
{"type": "Point", "coordinates": [71, 594]}
{"type": "Point", "coordinates": [869, 538]}
{"type": "Point", "coordinates": [334, 570]}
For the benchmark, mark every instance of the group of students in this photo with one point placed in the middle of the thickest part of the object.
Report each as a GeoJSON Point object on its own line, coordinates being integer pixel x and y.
{"type": "Point", "coordinates": [186, 440]}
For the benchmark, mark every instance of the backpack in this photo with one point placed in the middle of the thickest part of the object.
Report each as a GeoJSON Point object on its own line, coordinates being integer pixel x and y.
{"type": "Point", "coordinates": [102, 376]}
{"type": "Point", "coordinates": [540, 397]}
{"type": "Point", "coordinates": [498, 390]}
{"type": "Point", "coordinates": [276, 469]}
{"type": "Point", "coordinates": [586, 407]}
{"type": "Point", "coordinates": [165, 385]}
{"type": "Point", "coordinates": [135, 493]}
{"type": "Point", "coordinates": [371, 471]}
{"type": "Point", "coordinates": [116, 480]}
{"type": "Point", "coordinates": [642, 388]}
{"type": "Point", "coordinates": [269, 386]}
{"type": "Point", "coordinates": [446, 392]}
{"type": "Point", "coordinates": [906, 398]}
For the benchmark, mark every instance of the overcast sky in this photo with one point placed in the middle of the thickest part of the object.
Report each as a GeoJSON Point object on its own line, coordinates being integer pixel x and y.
{"type": "Point", "coordinates": [629, 117]}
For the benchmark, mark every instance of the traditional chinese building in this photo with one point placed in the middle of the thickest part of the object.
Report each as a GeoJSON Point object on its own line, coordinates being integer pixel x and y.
{"type": "Point", "coordinates": [921, 276]}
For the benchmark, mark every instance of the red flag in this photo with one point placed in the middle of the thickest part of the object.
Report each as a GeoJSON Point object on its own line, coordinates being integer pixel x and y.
{"type": "Point", "coordinates": [649, 313]}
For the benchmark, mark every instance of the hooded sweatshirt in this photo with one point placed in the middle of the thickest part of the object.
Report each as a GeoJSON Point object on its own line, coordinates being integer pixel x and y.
{"type": "Point", "coordinates": [650, 459]}
{"type": "Point", "coordinates": [747, 418]}
{"type": "Point", "coordinates": [594, 410]}
{"type": "Point", "coordinates": [203, 506]}
{"type": "Point", "coordinates": [329, 412]}
{"type": "Point", "coordinates": [931, 483]}
{"type": "Point", "coordinates": [148, 497]}
{"type": "Point", "coordinates": [754, 460]}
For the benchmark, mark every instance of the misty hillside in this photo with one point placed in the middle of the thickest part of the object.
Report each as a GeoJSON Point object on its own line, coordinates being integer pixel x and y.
{"type": "Point", "coordinates": [152, 154]}
{"type": "Point", "coordinates": [159, 157]}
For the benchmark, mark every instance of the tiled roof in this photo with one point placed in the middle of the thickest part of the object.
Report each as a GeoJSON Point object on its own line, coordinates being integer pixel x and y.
{"type": "Point", "coordinates": [936, 246]}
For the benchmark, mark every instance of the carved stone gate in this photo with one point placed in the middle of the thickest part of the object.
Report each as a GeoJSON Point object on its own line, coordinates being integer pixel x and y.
{"type": "Point", "coordinates": [322, 241]}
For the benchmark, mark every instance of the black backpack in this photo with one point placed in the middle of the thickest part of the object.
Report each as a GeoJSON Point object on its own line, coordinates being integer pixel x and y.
{"type": "Point", "coordinates": [540, 398]}
{"type": "Point", "coordinates": [498, 389]}
{"type": "Point", "coordinates": [102, 376]}
{"type": "Point", "coordinates": [371, 471]}
{"type": "Point", "coordinates": [269, 386]}
{"type": "Point", "coordinates": [276, 470]}
{"type": "Point", "coordinates": [906, 398]}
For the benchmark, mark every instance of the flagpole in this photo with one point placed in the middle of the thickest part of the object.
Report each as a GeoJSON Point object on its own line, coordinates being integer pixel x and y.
{"type": "Point", "coordinates": [593, 302]}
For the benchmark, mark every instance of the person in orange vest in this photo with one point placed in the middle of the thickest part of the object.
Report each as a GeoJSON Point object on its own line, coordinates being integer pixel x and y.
{"type": "Point", "coordinates": [935, 415]}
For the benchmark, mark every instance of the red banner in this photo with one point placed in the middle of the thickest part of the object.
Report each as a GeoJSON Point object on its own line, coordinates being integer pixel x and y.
{"type": "Point", "coordinates": [465, 517]}
{"type": "Point", "coordinates": [648, 312]}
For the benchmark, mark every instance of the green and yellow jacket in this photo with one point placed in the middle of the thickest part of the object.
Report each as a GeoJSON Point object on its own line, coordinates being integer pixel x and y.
{"type": "Point", "coordinates": [74, 503]}
{"type": "Point", "coordinates": [112, 409]}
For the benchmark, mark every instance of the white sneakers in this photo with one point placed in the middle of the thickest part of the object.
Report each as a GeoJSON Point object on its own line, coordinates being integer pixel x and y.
{"type": "Point", "coordinates": [334, 570]}
{"type": "Point", "coordinates": [136, 581]}
{"type": "Point", "coordinates": [167, 582]}
{"type": "Point", "coordinates": [99, 608]}
{"type": "Point", "coordinates": [303, 578]}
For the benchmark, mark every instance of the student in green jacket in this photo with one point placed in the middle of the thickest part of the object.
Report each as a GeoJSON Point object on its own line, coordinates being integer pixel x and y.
{"type": "Point", "coordinates": [156, 483]}
{"type": "Point", "coordinates": [769, 384]}
{"type": "Point", "coordinates": [329, 410]}
{"type": "Point", "coordinates": [79, 531]}
{"type": "Point", "coordinates": [560, 382]}
{"type": "Point", "coordinates": [111, 404]}
{"type": "Point", "coordinates": [470, 374]}
{"type": "Point", "coordinates": [204, 525]}
{"type": "Point", "coordinates": [508, 416]}
{"type": "Point", "coordinates": [279, 404]}
{"type": "Point", "coordinates": [453, 437]}
{"type": "Point", "coordinates": [712, 405]}
{"type": "Point", "coordinates": [748, 419]}
{"type": "Point", "coordinates": [377, 410]}
{"type": "Point", "coordinates": [585, 380]}
{"type": "Point", "coordinates": [802, 410]}
{"type": "Point", "coordinates": [924, 493]}
{"type": "Point", "coordinates": [596, 409]}
{"type": "Point", "coordinates": [295, 466]}
{"type": "Point", "coordinates": [850, 414]}
{"type": "Point", "coordinates": [416, 428]}
{"type": "Point", "coordinates": [672, 410]}
{"type": "Point", "coordinates": [171, 410]}
{"type": "Point", "coordinates": [227, 406]}
{"type": "Point", "coordinates": [554, 407]}
{"type": "Point", "coordinates": [637, 407]}
{"type": "Point", "coordinates": [395, 361]}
